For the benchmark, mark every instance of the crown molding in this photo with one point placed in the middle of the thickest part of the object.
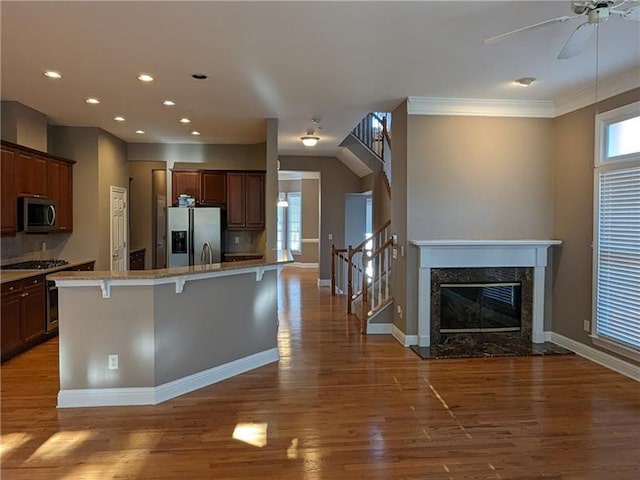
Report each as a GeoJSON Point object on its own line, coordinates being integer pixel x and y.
{"type": "Point", "coordinates": [475, 107]}
{"type": "Point", "coordinates": [607, 88]}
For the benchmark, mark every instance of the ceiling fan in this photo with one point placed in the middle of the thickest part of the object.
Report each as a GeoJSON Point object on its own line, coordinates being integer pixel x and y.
{"type": "Point", "coordinates": [594, 12]}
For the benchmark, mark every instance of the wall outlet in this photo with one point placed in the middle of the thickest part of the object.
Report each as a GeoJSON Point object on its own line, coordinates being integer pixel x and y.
{"type": "Point", "coordinates": [236, 240]}
{"type": "Point", "coordinates": [586, 324]}
{"type": "Point", "coordinates": [394, 253]}
{"type": "Point", "coordinates": [330, 236]}
{"type": "Point", "coordinates": [113, 362]}
{"type": "Point", "coordinates": [399, 310]}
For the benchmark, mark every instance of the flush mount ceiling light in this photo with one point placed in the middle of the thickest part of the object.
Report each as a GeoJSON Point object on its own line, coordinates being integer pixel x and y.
{"type": "Point", "coordinates": [195, 132]}
{"type": "Point", "coordinates": [92, 101]}
{"type": "Point", "coordinates": [52, 74]}
{"type": "Point", "coordinates": [185, 120]}
{"type": "Point", "coordinates": [309, 140]}
{"type": "Point", "coordinates": [145, 77]}
{"type": "Point", "coordinates": [169, 103]}
{"type": "Point", "coordinates": [525, 81]}
{"type": "Point", "coordinates": [119, 118]}
{"type": "Point", "coordinates": [140, 132]}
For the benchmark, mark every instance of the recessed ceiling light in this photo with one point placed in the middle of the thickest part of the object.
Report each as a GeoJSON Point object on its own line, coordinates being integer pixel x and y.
{"type": "Point", "coordinates": [119, 118]}
{"type": "Point", "coordinates": [525, 81]}
{"type": "Point", "coordinates": [52, 74]}
{"type": "Point", "coordinates": [145, 77]}
{"type": "Point", "coordinates": [185, 120]}
{"type": "Point", "coordinates": [199, 76]}
{"type": "Point", "coordinates": [140, 132]}
{"type": "Point", "coordinates": [169, 103]}
{"type": "Point", "coordinates": [92, 101]}
{"type": "Point", "coordinates": [195, 132]}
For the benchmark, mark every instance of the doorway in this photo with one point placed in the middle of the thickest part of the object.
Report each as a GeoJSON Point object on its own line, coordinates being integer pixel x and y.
{"type": "Point", "coordinates": [118, 230]}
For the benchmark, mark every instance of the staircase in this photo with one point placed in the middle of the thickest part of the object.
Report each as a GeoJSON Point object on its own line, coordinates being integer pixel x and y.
{"type": "Point", "coordinates": [363, 272]}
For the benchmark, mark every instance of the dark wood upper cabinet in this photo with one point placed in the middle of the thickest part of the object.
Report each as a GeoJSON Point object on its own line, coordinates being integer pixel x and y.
{"type": "Point", "coordinates": [8, 201]}
{"type": "Point", "coordinates": [27, 172]}
{"type": "Point", "coordinates": [59, 179]}
{"type": "Point", "coordinates": [255, 201]}
{"type": "Point", "coordinates": [245, 201]}
{"type": "Point", "coordinates": [185, 182]}
{"type": "Point", "coordinates": [213, 188]}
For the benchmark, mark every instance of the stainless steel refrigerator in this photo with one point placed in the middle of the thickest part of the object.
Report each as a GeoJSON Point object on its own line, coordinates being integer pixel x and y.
{"type": "Point", "coordinates": [194, 236]}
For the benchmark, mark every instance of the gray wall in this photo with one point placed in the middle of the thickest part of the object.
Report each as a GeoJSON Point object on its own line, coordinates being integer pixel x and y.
{"type": "Point", "coordinates": [573, 216]}
{"type": "Point", "coordinates": [155, 340]}
{"type": "Point", "coordinates": [355, 221]}
{"type": "Point", "coordinates": [474, 178]}
{"type": "Point", "coordinates": [335, 181]}
{"type": "Point", "coordinates": [23, 125]}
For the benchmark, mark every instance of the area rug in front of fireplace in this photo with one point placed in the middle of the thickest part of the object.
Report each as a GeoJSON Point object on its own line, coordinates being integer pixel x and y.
{"type": "Point", "coordinates": [507, 347]}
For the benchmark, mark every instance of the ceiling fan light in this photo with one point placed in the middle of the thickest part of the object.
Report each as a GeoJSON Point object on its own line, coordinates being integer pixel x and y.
{"type": "Point", "coordinates": [525, 81]}
{"type": "Point", "coordinates": [309, 140]}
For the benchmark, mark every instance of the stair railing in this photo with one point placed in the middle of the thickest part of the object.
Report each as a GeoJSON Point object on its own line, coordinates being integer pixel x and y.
{"type": "Point", "coordinates": [350, 263]}
{"type": "Point", "coordinates": [375, 290]}
{"type": "Point", "coordinates": [372, 131]}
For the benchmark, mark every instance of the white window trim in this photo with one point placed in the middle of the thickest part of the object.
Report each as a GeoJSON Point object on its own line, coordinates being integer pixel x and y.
{"type": "Point", "coordinates": [288, 232]}
{"type": "Point", "coordinates": [603, 163]}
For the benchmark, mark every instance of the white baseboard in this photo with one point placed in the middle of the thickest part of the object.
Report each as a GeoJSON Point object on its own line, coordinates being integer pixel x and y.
{"type": "Point", "coordinates": [380, 328]}
{"type": "Point", "coordinates": [405, 340]}
{"type": "Point", "coordinates": [303, 265]}
{"type": "Point", "coordinates": [324, 282]}
{"type": "Point", "coordinates": [106, 397]}
{"type": "Point", "coordinates": [624, 368]}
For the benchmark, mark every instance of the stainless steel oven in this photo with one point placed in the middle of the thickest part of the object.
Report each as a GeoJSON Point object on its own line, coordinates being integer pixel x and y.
{"type": "Point", "coordinates": [52, 306]}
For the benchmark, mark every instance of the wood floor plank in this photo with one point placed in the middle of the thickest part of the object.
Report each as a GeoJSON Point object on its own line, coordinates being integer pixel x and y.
{"type": "Point", "coordinates": [336, 406]}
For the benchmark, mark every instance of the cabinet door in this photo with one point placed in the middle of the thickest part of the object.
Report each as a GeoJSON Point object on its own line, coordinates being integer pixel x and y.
{"type": "Point", "coordinates": [255, 201]}
{"type": "Point", "coordinates": [213, 188]}
{"type": "Point", "coordinates": [8, 202]}
{"type": "Point", "coordinates": [236, 200]}
{"type": "Point", "coordinates": [34, 306]}
{"type": "Point", "coordinates": [53, 183]}
{"type": "Point", "coordinates": [64, 212]}
{"type": "Point", "coordinates": [11, 331]}
{"type": "Point", "coordinates": [185, 182]}
{"type": "Point", "coordinates": [38, 176]}
{"type": "Point", "coordinates": [23, 173]}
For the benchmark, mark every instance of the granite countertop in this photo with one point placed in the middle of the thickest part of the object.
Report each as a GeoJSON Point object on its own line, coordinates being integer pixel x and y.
{"type": "Point", "coordinates": [13, 275]}
{"type": "Point", "coordinates": [135, 250]}
{"type": "Point", "coordinates": [274, 257]}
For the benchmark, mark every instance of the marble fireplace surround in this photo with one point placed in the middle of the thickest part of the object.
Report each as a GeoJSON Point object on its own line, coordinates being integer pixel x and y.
{"type": "Point", "coordinates": [481, 254]}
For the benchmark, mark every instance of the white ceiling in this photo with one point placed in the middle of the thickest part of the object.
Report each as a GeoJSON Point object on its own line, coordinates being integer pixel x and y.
{"type": "Point", "coordinates": [288, 60]}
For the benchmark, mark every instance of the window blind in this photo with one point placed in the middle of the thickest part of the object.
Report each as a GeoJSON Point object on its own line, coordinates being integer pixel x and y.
{"type": "Point", "coordinates": [618, 256]}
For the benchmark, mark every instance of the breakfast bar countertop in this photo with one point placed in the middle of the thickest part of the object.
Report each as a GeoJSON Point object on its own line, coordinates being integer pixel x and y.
{"type": "Point", "coordinates": [270, 259]}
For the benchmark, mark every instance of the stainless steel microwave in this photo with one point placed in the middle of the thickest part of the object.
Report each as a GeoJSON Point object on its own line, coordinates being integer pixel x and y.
{"type": "Point", "coordinates": [36, 215]}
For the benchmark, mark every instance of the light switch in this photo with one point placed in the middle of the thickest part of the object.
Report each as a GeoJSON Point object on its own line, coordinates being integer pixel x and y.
{"type": "Point", "coordinates": [330, 236]}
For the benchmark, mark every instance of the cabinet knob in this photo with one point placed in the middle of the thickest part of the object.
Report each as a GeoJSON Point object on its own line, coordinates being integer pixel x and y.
{"type": "Point", "coordinates": [26, 294]}
{"type": "Point", "coordinates": [11, 288]}
{"type": "Point", "coordinates": [35, 281]}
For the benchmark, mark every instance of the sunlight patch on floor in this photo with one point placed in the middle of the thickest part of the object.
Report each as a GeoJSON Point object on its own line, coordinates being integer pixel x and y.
{"type": "Point", "coordinates": [12, 441]}
{"type": "Point", "coordinates": [254, 434]}
{"type": "Point", "coordinates": [59, 445]}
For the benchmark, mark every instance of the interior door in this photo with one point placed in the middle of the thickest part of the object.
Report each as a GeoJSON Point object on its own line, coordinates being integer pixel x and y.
{"type": "Point", "coordinates": [161, 231]}
{"type": "Point", "coordinates": [118, 228]}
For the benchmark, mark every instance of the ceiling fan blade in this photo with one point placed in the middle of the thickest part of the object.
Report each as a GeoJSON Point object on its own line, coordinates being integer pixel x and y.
{"type": "Point", "coordinates": [577, 41]}
{"type": "Point", "coordinates": [535, 26]}
{"type": "Point", "coordinates": [631, 14]}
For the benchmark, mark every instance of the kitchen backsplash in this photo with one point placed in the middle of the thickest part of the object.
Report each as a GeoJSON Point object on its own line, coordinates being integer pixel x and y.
{"type": "Point", "coordinates": [32, 247]}
{"type": "Point", "coordinates": [246, 241]}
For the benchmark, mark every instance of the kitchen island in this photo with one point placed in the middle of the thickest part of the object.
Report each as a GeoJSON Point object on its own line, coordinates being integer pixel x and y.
{"type": "Point", "coordinates": [143, 337]}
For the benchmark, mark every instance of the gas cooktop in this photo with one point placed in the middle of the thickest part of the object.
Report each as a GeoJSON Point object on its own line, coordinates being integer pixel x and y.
{"type": "Point", "coordinates": [35, 265]}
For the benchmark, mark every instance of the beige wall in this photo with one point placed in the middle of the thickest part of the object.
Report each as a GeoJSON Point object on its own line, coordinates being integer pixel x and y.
{"type": "Point", "coordinates": [81, 144]}
{"type": "Point", "coordinates": [381, 202]}
{"type": "Point", "coordinates": [271, 185]}
{"type": "Point", "coordinates": [141, 206]}
{"type": "Point", "coordinates": [310, 199]}
{"type": "Point", "coordinates": [23, 125]}
{"type": "Point", "coordinates": [573, 216]}
{"type": "Point", "coordinates": [336, 180]}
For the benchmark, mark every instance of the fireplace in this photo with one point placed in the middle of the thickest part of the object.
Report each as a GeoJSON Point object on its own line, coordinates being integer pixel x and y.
{"type": "Point", "coordinates": [481, 303]}
{"type": "Point", "coordinates": [455, 262]}
{"type": "Point", "coordinates": [480, 307]}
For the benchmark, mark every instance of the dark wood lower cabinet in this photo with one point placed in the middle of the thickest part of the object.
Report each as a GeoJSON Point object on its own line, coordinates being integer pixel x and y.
{"type": "Point", "coordinates": [23, 319]}
{"type": "Point", "coordinates": [136, 259]}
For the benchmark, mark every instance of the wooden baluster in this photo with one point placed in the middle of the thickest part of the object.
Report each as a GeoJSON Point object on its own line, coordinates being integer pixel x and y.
{"type": "Point", "coordinates": [387, 269]}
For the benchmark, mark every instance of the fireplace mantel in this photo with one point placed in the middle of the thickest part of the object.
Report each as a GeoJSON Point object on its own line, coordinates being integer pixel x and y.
{"type": "Point", "coordinates": [481, 253]}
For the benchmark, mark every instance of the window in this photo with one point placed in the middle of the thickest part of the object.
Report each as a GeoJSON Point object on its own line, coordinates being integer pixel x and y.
{"type": "Point", "coordinates": [617, 231]}
{"type": "Point", "coordinates": [289, 224]}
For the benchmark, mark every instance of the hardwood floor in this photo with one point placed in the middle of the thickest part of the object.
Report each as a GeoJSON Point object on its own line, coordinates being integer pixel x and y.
{"type": "Point", "coordinates": [336, 406]}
